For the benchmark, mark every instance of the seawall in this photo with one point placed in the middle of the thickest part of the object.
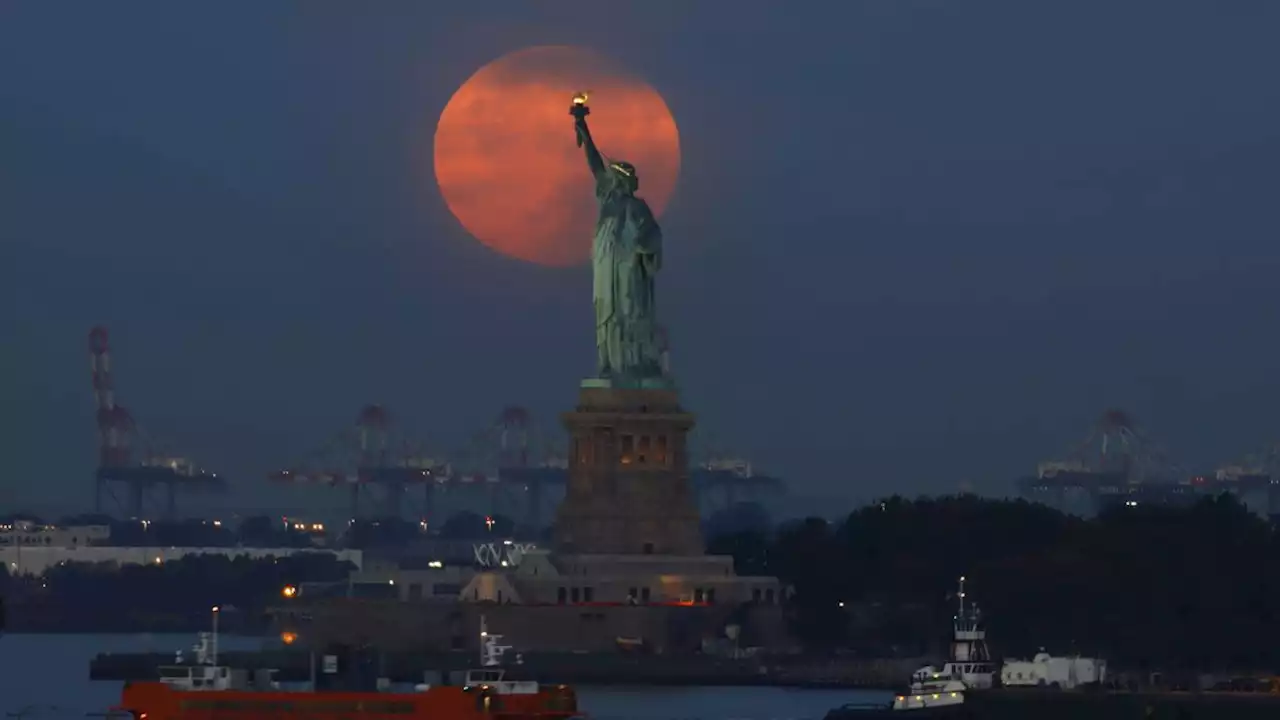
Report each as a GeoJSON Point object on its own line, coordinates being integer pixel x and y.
{"type": "Point", "coordinates": [1018, 704]}
{"type": "Point", "coordinates": [577, 668]}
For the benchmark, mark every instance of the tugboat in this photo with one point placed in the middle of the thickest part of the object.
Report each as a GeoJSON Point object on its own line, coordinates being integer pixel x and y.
{"type": "Point", "coordinates": [205, 690]}
{"type": "Point", "coordinates": [970, 661]}
{"type": "Point", "coordinates": [939, 692]}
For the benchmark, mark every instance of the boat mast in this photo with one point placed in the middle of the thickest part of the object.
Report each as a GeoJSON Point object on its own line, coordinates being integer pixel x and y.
{"type": "Point", "coordinates": [970, 639]}
{"type": "Point", "coordinates": [490, 651]}
{"type": "Point", "coordinates": [214, 651]}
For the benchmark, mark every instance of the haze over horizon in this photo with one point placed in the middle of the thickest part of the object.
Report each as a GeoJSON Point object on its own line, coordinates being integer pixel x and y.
{"type": "Point", "coordinates": [913, 244]}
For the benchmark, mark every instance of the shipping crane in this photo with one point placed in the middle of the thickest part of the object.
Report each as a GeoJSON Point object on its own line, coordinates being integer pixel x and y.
{"type": "Point", "coordinates": [1115, 463]}
{"type": "Point", "coordinates": [371, 456]}
{"type": "Point", "coordinates": [128, 457]}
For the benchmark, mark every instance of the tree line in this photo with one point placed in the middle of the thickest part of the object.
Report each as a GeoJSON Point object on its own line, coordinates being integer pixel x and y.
{"type": "Point", "coordinates": [175, 596]}
{"type": "Point", "coordinates": [1191, 588]}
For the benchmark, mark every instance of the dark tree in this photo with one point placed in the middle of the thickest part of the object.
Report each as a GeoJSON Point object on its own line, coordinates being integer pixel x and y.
{"type": "Point", "coordinates": [1180, 588]}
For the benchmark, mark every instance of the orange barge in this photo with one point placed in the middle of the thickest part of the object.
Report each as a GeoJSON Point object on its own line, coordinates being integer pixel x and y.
{"type": "Point", "coordinates": [205, 690]}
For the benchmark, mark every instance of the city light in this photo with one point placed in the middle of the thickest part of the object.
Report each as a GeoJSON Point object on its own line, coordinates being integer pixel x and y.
{"type": "Point", "coordinates": [288, 638]}
{"type": "Point", "coordinates": [289, 591]}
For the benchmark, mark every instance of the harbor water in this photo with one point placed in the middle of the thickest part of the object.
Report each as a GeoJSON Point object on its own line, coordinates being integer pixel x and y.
{"type": "Point", "coordinates": [46, 676]}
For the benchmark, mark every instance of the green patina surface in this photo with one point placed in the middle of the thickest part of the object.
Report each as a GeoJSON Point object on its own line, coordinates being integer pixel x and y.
{"type": "Point", "coordinates": [626, 256]}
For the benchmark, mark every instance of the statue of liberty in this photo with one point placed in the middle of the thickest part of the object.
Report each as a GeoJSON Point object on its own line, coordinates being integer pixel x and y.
{"type": "Point", "coordinates": [626, 255]}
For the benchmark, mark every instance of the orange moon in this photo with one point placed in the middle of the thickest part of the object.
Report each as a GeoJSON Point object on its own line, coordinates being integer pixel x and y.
{"type": "Point", "coordinates": [508, 164]}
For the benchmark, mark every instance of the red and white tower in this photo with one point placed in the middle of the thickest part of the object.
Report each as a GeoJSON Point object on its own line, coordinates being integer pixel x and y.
{"type": "Point", "coordinates": [114, 422]}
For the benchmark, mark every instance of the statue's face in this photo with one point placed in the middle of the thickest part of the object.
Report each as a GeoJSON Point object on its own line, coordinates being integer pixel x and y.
{"type": "Point", "coordinates": [624, 176]}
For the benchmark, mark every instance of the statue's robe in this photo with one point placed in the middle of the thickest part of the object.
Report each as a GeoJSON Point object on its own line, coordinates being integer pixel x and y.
{"type": "Point", "coordinates": [626, 256]}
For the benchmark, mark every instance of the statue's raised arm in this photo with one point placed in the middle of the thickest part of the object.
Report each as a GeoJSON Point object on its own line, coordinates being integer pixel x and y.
{"type": "Point", "coordinates": [579, 111]}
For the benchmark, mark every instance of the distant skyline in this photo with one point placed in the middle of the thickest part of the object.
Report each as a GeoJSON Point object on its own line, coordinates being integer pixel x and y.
{"type": "Point", "coordinates": [913, 245]}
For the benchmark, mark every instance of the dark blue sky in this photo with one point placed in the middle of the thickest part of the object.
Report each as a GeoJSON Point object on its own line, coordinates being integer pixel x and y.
{"type": "Point", "coordinates": [914, 243]}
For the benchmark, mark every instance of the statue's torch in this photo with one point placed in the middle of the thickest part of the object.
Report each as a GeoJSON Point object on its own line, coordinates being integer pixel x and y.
{"type": "Point", "coordinates": [579, 107]}
{"type": "Point", "coordinates": [579, 110]}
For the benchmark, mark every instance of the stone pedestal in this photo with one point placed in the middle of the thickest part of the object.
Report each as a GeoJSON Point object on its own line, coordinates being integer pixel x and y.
{"type": "Point", "coordinates": [628, 490]}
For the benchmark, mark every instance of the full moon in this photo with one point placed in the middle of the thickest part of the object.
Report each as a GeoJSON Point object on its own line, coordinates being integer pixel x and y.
{"type": "Point", "coordinates": [506, 158]}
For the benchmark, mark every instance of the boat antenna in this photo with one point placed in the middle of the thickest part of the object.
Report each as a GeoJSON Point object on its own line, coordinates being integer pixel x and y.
{"type": "Point", "coordinates": [214, 650]}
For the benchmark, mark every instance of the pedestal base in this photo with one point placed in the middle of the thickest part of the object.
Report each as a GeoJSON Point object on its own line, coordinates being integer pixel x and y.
{"type": "Point", "coordinates": [658, 383]}
{"type": "Point", "coordinates": [628, 490]}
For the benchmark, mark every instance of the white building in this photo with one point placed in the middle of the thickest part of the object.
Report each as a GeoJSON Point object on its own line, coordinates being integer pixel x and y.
{"type": "Point", "coordinates": [544, 578]}
{"type": "Point", "coordinates": [25, 533]}
{"type": "Point", "coordinates": [1044, 670]}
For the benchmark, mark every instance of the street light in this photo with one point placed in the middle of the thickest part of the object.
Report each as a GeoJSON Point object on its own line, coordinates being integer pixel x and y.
{"type": "Point", "coordinates": [289, 591]}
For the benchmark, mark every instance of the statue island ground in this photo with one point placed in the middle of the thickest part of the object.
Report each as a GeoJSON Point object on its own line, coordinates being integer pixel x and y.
{"type": "Point", "coordinates": [628, 563]}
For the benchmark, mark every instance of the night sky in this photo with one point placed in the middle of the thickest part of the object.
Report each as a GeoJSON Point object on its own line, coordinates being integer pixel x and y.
{"type": "Point", "coordinates": [914, 243]}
